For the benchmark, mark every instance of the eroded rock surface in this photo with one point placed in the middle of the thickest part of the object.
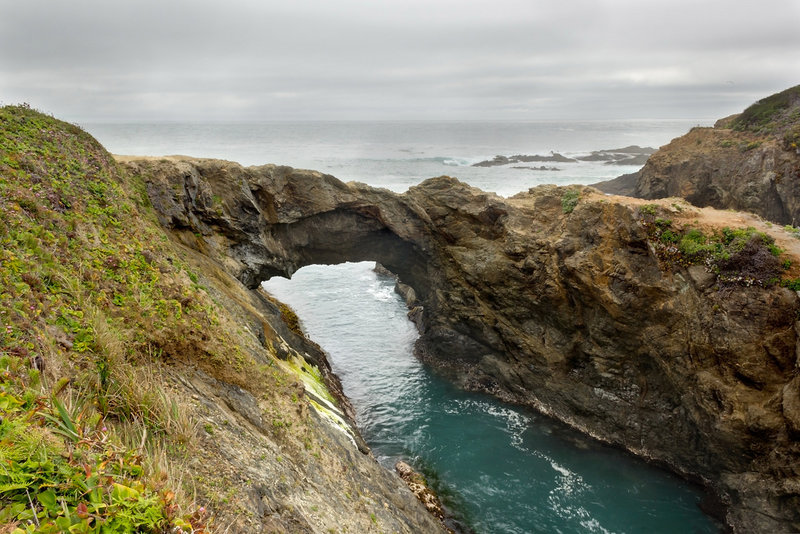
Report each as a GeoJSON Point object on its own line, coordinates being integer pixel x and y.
{"type": "Point", "coordinates": [572, 314]}
{"type": "Point", "coordinates": [748, 162]}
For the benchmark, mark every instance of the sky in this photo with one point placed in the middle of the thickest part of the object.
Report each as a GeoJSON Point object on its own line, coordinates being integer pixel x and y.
{"type": "Point", "coordinates": [204, 60]}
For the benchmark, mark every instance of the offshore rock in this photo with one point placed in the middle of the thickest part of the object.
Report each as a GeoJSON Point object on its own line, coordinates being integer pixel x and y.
{"type": "Point", "coordinates": [523, 158]}
{"type": "Point", "coordinates": [629, 155]}
{"type": "Point", "coordinates": [572, 314]}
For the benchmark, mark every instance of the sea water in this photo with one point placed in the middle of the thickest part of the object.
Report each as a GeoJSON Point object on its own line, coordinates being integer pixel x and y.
{"type": "Point", "coordinates": [399, 154]}
{"type": "Point", "coordinates": [499, 468]}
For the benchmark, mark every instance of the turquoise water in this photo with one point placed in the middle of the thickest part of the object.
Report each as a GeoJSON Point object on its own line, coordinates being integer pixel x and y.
{"type": "Point", "coordinates": [500, 469]}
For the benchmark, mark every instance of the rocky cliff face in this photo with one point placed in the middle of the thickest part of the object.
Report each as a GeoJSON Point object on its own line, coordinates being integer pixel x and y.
{"type": "Point", "coordinates": [747, 162]}
{"type": "Point", "coordinates": [143, 387]}
{"type": "Point", "coordinates": [559, 299]}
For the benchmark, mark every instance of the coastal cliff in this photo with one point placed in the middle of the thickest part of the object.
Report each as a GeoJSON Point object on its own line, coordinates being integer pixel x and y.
{"type": "Point", "coordinates": [749, 162]}
{"type": "Point", "coordinates": [136, 335]}
{"type": "Point", "coordinates": [661, 328]}
{"type": "Point", "coordinates": [145, 389]}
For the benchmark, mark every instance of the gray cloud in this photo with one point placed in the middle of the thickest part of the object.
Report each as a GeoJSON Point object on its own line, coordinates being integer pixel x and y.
{"type": "Point", "coordinates": [311, 59]}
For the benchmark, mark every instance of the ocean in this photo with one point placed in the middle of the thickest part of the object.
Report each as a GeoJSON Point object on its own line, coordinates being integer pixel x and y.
{"type": "Point", "coordinates": [500, 469]}
{"type": "Point", "coordinates": [398, 154]}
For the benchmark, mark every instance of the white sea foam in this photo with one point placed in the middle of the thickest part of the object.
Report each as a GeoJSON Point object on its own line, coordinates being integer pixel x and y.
{"type": "Point", "coordinates": [382, 292]}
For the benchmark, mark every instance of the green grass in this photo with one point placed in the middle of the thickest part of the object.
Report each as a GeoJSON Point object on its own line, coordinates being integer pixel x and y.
{"type": "Point", "coordinates": [767, 112]}
{"type": "Point", "coordinates": [86, 292]}
{"type": "Point", "coordinates": [64, 470]}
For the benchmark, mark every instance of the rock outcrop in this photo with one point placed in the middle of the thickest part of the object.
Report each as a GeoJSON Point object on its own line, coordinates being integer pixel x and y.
{"type": "Point", "coordinates": [144, 388]}
{"type": "Point", "coordinates": [629, 155]}
{"type": "Point", "coordinates": [747, 162]}
{"type": "Point", "coordinates": [570, 311]}
{"type": "Point", "coordinates": [500, 160]}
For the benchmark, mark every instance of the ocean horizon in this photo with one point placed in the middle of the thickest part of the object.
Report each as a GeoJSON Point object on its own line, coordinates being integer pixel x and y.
{"type": "Point", "coordinates": [399, 154]}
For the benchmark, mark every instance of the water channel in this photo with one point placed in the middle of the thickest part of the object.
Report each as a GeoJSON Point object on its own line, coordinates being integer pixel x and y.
{"type": "Point", "coordinates": [500, 469]}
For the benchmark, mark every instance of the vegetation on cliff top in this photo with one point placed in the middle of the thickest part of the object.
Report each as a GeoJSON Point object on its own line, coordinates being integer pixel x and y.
{"type": "Point", "coordinates": [122, 351]}
{"type": "Point", "coordinates": [96, 305]}
{"type": "Point", "coordinates": [87, 303]}
{"type": "Point", "coordinates": [736, 256]}
{"type": "Point", "coordinates": [778, 114]}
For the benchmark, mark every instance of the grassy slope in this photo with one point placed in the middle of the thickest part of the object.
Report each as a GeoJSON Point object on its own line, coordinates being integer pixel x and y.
{"type": "Point", "coordinates": [777, 115]}
{"type": "Point", "coordinates": [96, 305]}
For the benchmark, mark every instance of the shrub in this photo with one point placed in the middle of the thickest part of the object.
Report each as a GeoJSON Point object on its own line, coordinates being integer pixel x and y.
{"type": "Point", "coordinates": [754, 260]}
{"type": "Point", "coordinates": [738, 256]}
{"type": "Point", "coordinates": [569, 200]}
{"type": "Point", "coordinates": [793, 284]}
{"type": "Point", "coordinates": [668, 236]}
{"type": "Point", "coordinates": [648, 209]}
{"type": "Point", "coordinates": [746, 147]}
{"type": "Point", "coordinates": [695, 243]}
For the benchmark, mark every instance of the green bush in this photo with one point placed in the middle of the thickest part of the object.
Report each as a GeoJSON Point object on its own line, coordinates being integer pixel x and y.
{"type": "Point", "coordinates": [668, 236]}
{"type": "Point", "coordinates": [793, 284]}
{"type": "Point", "coordinates": [738, 256]}
{"type": "Point", "coordinates": [569, 200]}
{"type": "Point", "coordinates": [648, 209]}
{"type": "Point", "coordinates": [695, 243]}
{"type": "Point", "coordinates": [746, 147]}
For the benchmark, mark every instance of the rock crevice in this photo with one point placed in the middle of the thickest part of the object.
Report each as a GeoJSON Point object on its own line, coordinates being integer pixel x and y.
{"type": "Point", "coordinates": [572, 314]}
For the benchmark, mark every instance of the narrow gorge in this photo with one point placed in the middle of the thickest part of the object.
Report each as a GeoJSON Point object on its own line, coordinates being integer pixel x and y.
{"type": "Point", "coordinates": [560, 299]}
{"type": "Point", "coordinates": [134, 328]}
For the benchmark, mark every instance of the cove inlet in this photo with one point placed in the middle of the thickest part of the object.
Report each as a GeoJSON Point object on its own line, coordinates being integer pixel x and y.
{"type": "Point", "coordinates": [497, 468]}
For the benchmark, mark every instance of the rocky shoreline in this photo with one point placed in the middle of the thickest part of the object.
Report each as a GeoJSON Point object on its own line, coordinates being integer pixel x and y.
{"type": "Point", "coordinates": [746, 162]}
{"type": "Point", "coordinates": [566, 307]}
{"type": "Point", "coordinates": [665, 329]}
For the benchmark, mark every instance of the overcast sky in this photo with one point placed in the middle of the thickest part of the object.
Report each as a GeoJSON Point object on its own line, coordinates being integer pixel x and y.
{"type": "Point", "coordinates": [85, 60]}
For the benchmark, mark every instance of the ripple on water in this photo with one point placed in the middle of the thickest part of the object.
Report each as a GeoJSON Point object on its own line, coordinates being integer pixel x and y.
{"type": "Point", "coordinates": [503, 469]}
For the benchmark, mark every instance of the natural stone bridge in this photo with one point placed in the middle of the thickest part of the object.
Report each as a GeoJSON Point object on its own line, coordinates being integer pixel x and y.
{"type": "Point", "coordinates": [572, 314]}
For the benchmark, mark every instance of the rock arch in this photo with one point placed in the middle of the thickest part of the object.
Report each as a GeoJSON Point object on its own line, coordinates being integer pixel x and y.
{"type": "Point", "coordinates": [572, 314]}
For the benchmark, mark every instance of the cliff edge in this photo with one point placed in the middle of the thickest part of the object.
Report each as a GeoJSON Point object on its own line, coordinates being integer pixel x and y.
{"type": "Point", "coordinates": [659, 327]}
{"type": "Point", "coordinates": [748, 162]}
{"type": "Point", "coordinates": [145, 389]}
{"type": "Point", "coordinates": [148, 381]}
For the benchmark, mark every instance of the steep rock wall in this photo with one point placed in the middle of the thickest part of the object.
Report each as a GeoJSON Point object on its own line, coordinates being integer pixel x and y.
{"type": "Point", "coordinates": [714, 167]}
{"type": "Point", "coordinates": [130, 359]}
{"type": "Point", "coordinates": [570, 313]}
